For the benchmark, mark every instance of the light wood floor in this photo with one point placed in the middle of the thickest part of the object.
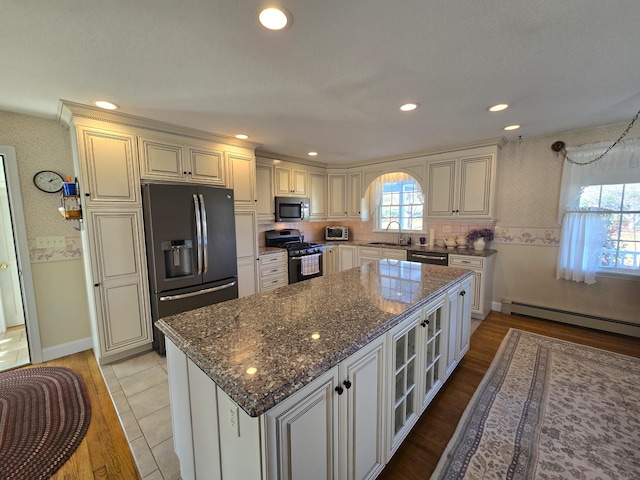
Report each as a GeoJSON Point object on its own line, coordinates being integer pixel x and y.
{"type": "Point", "coordinates": [419, 454]}
{"type": "Point", "coordinates": [104, 452]}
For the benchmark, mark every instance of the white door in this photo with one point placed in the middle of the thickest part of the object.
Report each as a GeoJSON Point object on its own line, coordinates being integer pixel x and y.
{"type": "Point", "coordinates": [16, 286]}
{"type": "Point", "coordinates": [11, 311]}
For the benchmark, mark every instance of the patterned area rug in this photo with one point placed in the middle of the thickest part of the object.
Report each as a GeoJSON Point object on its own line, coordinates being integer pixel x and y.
{"type": "Point", "coordinates": [44, 414]}
{"type": "Point", "coordinates": [549, 409]}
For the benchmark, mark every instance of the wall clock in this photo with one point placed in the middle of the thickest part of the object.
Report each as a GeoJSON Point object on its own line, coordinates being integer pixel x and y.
{"type": "Point", "coordinates": [48, 181]}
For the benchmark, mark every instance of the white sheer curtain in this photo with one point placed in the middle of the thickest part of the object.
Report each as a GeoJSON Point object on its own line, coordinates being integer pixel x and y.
{"type": "Point", "coordinates": [584, 231]}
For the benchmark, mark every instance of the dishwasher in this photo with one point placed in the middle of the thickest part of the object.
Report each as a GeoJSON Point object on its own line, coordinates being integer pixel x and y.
{"type": "Point", "coordinates": [433, 258]}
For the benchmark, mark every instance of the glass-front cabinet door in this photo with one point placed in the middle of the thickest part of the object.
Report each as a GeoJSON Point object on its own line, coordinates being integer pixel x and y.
{"type": "Point", "coordinates": [404, 400]}
{"type": "Point", "coordinates": [432, 364]}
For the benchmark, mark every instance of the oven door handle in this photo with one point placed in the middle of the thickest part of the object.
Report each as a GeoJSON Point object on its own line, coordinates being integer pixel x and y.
{"type": "Point", "coordinates": [300, 258]}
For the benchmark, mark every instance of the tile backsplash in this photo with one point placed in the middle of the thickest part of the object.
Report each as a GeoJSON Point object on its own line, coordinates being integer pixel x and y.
{"type": "Point", "coordinates": [363, 231]}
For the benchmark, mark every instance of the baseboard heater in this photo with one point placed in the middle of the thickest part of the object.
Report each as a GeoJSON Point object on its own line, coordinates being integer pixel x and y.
{"type": "Point", "coordinates": [572, 318]}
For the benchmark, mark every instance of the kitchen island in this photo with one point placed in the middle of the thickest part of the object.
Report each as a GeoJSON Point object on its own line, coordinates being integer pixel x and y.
{"type": "Point", "coordinates": [278, 384]}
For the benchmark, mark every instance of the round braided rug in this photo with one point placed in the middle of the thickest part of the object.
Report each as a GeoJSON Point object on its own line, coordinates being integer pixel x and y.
{"type": "Point", "coordinates": [44, 415]}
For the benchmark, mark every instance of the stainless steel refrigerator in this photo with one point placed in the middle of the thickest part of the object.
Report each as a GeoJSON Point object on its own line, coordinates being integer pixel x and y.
{"type": "Point", "coordinates": [191, 248]}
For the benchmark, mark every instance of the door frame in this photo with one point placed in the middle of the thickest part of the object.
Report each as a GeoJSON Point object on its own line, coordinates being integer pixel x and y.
{"type": "Point", "coordinates": [22, 253]}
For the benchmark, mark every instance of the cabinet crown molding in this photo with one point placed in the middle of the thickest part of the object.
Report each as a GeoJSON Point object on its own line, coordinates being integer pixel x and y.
{"type": "Point", "coordinates": [69, 113]}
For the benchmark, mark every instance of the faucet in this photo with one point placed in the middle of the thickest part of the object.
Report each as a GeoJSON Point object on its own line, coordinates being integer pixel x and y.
{"type": "Point", "coordinates": [399, 229]}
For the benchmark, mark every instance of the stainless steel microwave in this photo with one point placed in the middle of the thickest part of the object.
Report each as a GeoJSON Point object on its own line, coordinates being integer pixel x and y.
{"type": "Point", "coordinates": [292, 209]}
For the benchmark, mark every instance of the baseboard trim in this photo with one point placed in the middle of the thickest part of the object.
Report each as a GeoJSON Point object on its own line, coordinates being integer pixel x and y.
{"type": "Point", "coordinates": [572, 318]}
{"type": "Point", "coordinates": [69, 348]}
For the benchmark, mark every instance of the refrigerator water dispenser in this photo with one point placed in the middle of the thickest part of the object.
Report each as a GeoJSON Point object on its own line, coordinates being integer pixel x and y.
{"type": "Point", "coordinates": [177, 258]}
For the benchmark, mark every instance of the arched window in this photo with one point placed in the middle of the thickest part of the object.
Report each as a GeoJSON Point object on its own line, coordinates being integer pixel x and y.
{"type": "Point", "coordinates": [396, 197]}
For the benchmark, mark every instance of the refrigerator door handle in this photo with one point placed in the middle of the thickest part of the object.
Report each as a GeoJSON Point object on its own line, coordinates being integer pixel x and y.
{"type": "Point", "coordinates": [196, 205]}
{"type": "Point", "coordinates": [199, 292]}
{"type": "Point", "coordinates": [205, 236]}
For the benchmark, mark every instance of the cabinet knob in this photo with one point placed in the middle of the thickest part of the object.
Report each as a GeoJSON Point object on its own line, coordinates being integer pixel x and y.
{"type": "Point", "coordinates": [96, 284]}
{"type": "Point", "coordinates": [424, 323]}
{"type": "Point", "coordinates": [184, 173]}
{"type": "Point", "coordinates": [463, 293]}
{"type": "Point", "coordinates": [87, 194]}
{"type": "Point", "coordinates": [339, 389]}
{"type": "Point", "coordinates": [347, 384]}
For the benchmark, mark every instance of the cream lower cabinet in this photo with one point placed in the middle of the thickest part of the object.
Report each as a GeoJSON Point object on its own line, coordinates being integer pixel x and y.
{"type": "Point", "coordinates": [247, 252]}
{"type": "Point", "coordinates": [371, 254]}
{"type": "Point", "coordinates": [459, 327]}
{"type": "Point", "coordinates": [348, 257]}
{"type": "Point", "coordinates": [332, 428]}
{"type": "Point", "coordinates": [305, 440]}
{"type": "Point", "coordinates": [482, 283]}
{"type": "Point", "coordinates": [118, 276]}
{"type": "Point", "coordinates": [330, 260]}
{"type": "Point", "coordinates": [274, 271]}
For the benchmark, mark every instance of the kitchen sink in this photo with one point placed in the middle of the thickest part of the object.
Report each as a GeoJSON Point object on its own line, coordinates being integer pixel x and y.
{"type": "Point", "coordinates": [383, 243]}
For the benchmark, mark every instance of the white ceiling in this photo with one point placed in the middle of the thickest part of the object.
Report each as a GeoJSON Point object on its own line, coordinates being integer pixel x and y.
{"type": "Point", "coordinates": [332, 82]}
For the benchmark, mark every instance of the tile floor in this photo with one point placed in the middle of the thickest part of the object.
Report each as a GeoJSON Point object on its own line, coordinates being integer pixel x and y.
{"type": "Point", "coordinates": [14, 351]}
{"type": "Point", "coordinates": [140, 391]}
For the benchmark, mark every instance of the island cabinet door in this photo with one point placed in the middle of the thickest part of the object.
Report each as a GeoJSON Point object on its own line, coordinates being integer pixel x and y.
{"type": "Point", "coordinates": [362, 429]}
{"type": "Point", "coordinates": [403, 401]}
{"type": "Point", "coordinates": [301, 432]}
{"type": "Point", "coordinates": [432, 347]}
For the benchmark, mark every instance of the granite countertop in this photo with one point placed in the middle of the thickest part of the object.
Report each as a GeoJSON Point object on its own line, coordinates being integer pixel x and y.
{"type": "Point", "coordinates": [415, 248]}
{"type": "Point", "coordinates": [262, 348]}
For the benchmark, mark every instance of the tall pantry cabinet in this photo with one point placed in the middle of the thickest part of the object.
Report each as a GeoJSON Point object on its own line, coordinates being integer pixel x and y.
{"type": "Point", "coordinates": [105, 161]}
{"type": "Point", "coordinates": [112, 153]}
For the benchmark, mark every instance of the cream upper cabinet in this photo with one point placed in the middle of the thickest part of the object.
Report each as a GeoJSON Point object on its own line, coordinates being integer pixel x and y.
{"type": "Point", "coordinates": [354, 195]}
{"type": "Point", "coordinates": [109, 168]}
{"type": "Point", "coordinates": [118, 276]}
{"type": "Point", "coordinates": [205, 164]}
{"type": "Point", "coordinates": [161, 158]}
{"type": "Point", "coordinates": [180, 159]}
{"type": "Point", "coordinates": [290, 182]}
{"type": "Point", "coordinates": [264, 192]}
{"type": "Point", "coordinates": [337, 195]}
{"type": "Point", "coordinates": [317, 196]}
{"type": "Point", "coordinates": [461, 187]}
{"type": "Point", "coordinates": [242, 179]}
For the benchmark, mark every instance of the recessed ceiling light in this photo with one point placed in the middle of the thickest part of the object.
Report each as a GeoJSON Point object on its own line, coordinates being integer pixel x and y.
{"type": "Point", "coordinates": [407, 107]}
{"type": "Point", "coordinates": [274, 17]}
{"type": "Point", "coordinates": [498, 108]}
{"type": "Point", "coordinates": [313, 154]}
{"type": "Point", "coordinates": [242, 136]}
{"type": "Point", "coordinates": [512, 127]}
{"type": "Point", "coordinates": [106, 105]}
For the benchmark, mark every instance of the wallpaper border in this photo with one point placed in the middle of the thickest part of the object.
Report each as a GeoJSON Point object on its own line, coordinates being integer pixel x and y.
{"type": "Point", "coordinates": [72, 251]}
{"type": "Point", "coordinates": [548, 237]}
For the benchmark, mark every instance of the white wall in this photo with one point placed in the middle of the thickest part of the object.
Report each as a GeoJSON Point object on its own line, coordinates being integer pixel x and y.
{"type": "Point", "coordinates": [529, 176]}
{"type": "Point", "coordinates": [58, 277]}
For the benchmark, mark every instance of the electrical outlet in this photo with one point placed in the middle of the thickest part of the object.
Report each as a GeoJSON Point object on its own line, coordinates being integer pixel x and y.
{"type": "Point", "coordinates": [233, 418]}
{"type": "Point", "coordinates": [50, 242]}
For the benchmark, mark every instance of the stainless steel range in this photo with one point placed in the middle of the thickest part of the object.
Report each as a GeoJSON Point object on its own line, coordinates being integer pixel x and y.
{"type": "Point", "coordinates": [304, 258]}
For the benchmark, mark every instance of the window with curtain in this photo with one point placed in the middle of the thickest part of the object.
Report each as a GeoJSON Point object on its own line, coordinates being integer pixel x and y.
{"type": "Point", "coordinates": [397, 197]}
{"type": "Point", "coordinates": [600, 213]}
